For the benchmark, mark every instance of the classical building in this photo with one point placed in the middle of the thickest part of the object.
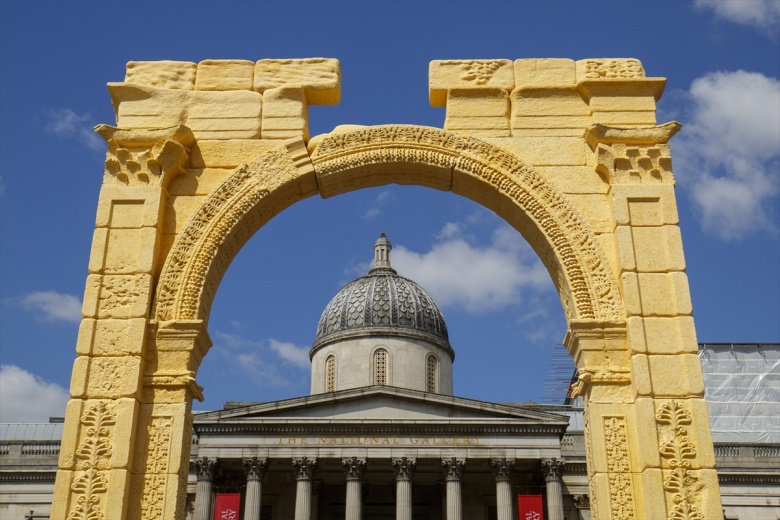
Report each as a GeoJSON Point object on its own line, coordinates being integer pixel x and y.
{"type": "Point", "coordinates": [382, 437]}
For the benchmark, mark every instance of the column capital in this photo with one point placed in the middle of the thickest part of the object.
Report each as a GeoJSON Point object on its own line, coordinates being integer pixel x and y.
{"type": "Point", "coordinates": [254, 468]}
{"type": "Point", "coordinates": [552, 469]}
{"type": "Point", "coordinates": [502, 469]}
{"type": "Point", "coordinates": [205, 468]}
{"type": "Point", "coordinates": [581, 501]}
{"type": "Point", "coordinates": [354, 468]}
{"type": "Point", "coordinates": [304, 468]}
{"type": "Point", "coordinates": [404, 468]}
{"type": "Point", "coordinates": [453, 468]}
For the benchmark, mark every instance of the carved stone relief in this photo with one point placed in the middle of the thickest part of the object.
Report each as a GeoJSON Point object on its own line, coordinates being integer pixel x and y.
{"type": "Point", "coordinates": [90, 482]}
{"type": "Point", "coordinates": [618, 468]}
{"type": "Point", "coordinates": [677, 451]}
{"type": "Point", "coordinates": [404, 468]}
{"type": "Point", "coordinates": [613, 69]}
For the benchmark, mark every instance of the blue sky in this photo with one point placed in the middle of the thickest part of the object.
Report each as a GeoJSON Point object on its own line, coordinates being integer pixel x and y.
{"type": "Point", "coordinates": [722, 61]}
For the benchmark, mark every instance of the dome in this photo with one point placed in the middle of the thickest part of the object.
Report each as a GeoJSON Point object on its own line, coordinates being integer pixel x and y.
{"type": "Point", "coordinates": [382, 303]}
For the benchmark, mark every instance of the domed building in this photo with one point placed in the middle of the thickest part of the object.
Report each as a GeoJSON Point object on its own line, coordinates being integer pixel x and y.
{"type": "Point", "coordinates": [381, 436]}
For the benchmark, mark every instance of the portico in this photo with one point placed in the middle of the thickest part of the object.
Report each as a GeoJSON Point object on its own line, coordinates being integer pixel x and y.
{"type": "Point", "coordinates": [341, 455]}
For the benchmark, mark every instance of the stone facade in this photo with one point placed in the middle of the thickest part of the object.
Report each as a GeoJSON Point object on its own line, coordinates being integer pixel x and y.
{"type": "Point", "coordinates": [568, 153]}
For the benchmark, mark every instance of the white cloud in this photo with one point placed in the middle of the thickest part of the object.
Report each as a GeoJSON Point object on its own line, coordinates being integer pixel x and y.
{"type": "Point", "coordinates": [728, 157]}
{"type": "Point", "coordinates": [458, 273]}
{"type": "Point", "coordinates": [25, 397]}
{"type": "Point", "coordinates": [67, 124]}
{"type": "Point", "coordinates": [761, 14]}
{"type": "Point", "coordinates": [376, 210]}
{"type": "Point", "coordinates": [265, 361]}
{"type": "Point", "coordinates": [298, 356]}
{"type": "Point", "coordinates": [50, 305]}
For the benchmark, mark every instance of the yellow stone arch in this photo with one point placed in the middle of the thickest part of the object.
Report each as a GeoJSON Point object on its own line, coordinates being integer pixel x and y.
{"type": "Point", "coordinates": [205, 154]}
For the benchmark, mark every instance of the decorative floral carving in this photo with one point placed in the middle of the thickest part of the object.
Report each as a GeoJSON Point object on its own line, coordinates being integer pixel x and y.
{"type": "Point", "coordinates": [158, 450]}
{"type": "Point", "coordinates": [304, 468]}
{"type": "Point", "coordinates": [479, 71]}
{"type": "Point", "coordinates": [502, 469]}
{"type": "Point", "coordinates": [205, 468]}
{"type": "Point", "coordinates": [255, 468]}
{"type": "Point", "coordinates": [453, 468]}
{"type": "Point", "coordinates": [145, 157]}
{"type": "Point", "coordinates": [404, 468]}
{"type": "Point", "coordinates": [92, 462]}
{"type": "Point", "coordinates": [573, 246]}
{"type": "Point", "coordinates": [620, 164]}
{"type": "Point", "coordinates": [614, 69]}
{"type": "Point", "coordinates": [552, 469]}
{"type": "Point", "coordinates": [354, 468]}
{"type": "Point", "coordinates": [618, 467]}
{"type": "Point", "coordinates": [677, 450]}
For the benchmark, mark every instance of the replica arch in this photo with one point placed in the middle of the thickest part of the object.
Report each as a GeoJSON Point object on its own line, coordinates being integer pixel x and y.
{"type": "Point", "coordinates": [567, 153]}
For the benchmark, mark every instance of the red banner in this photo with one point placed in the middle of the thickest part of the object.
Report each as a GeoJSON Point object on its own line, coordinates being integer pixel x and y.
{"type": "Point", "coordinates": [529, 507]}
{"type": "Point", "coordinates": [226, 506]}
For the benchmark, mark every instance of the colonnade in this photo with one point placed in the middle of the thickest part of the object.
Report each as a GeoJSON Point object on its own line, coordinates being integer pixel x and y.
{"type": "Point", "coordinates": [354, 469]}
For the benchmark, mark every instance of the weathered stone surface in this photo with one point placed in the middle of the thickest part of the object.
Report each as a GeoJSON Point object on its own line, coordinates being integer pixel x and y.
{"type": "Point", "coordinates": [285, 114]}
{"type": "Point", "coordinates": [162, 74]}
{"type": "Point", "coordinates": [544, 72]}
{"type": "Point", "coordinates": [445, 75]}
{"type": "Point", "coordinates": [225, 75]}
{"type": "Point", "coordinates": [320, 78]}
{"type": "Point", "coordinates": [228, 153]}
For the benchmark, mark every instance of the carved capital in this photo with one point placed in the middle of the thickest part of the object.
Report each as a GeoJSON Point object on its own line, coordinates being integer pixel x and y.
{"type": "Point", "coordinates": [453, 468]}
{"type": "Point", "coordinates": [404, 468]}
{"type": "Point", "coordinates": [205, 468]}
{"type": "Point", "coordinates": [502, 469]}
{"type": "Point", "coordinates": [304, 468]}
{"type": "Point", "coordinates": [552, 469]}
{"type": "Point", "coordinates": [145, 157]}
{"type": "Point", "coordinates": [581, 501]}
{"type": "Point", "coordinates": [255, 468]}
{"type": "Point", "coordinates": [354, 468]}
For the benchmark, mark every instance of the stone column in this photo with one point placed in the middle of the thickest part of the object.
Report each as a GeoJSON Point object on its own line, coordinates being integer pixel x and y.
{"type": "Point", "coordinates": [553, 470]}
{"type": "Point", "coordinates": [304, 473]}
{"type": "Point", "coordinates": [205, 468]}
{"type": "Point", "coordinates": [453, 471]}
{"type": "Point", "coordinates": [404, 472]}
{"type": "Point", "coordinates": [502, 471]}
{"type": "Point", "coordinates": [254, 469]}
{"type": "Point", "coordinates": [354, 469]}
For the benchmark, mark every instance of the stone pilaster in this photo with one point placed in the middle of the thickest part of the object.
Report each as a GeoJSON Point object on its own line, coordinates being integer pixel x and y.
{"type": "Point", "coordinates": [553, 471]}
{"type": "Point", "coordinates": [304, 469]}
{"type": "Point", "coordinates": [453, 471]}
{"type": "Point", "coordinates": [404, 469]}
{"type": "Point", "coordinates": [205, 469]}
{"type": "Point", "coordinates": [502, 471]}
{"type": "Point", "coordinates": [354, 469]}
{"type": "Point", "coordinates": [254, 469]}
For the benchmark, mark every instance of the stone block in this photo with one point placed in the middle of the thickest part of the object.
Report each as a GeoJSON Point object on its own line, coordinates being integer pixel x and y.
{"type": "Point", "coordinates": [125, 207]}
{"type": "Point", "coordinates": [544, 151]}
{"type": "Point", "coordinates": [118, 493]}
{"type": "Point", "coordinates": [224, 115]}
{"type": "Point", "coordinates": [178, 210]}
{"type": "Point", "coordinates": [650, 502]}
{"type": "Point", "coordinates": [226, 153]}
{"type": "Point", "coordinates": [225, 75]}
{"type": "Point", "coordinates": [198, 181]}
{"type": "Point", "coordinates": [477, 103]}
{"type": "Point", "coordinates": [644, 434]}
{"type": "Point", "coordinates": [320, 78]}
{"type": "Point", "coordinates": [544, 72]}
{"type": "Point", "coordinates": [622, 104]}
{"type": "Point", "coordinates": [117, 296]}
{"type": "Point", "coordinates": [676, 375]}
{"type": "Point", "coordinates": [106, 377]}
{"type": "Point", "coordinates": [573, 179]}
{"type": "Point", "coordinates": [123, 251]}
{"type": "Point", "coordinates": [550, 102]}
{"type": "Point", "coordinates": [650, 249]}
{"type": "Point", "coordinates": [596, 210]}
{"type": "Point", "coordinates": [445, 75]}
{"type": "Point", "coordinates": [609, 68]}
{"type": "Point", "coordinates": [285, 114]}
{"type": "Point", "coordinates": [162, 74]}
{"type": "Point", "coordinates": [634, 118]}
{"type": "Point", "coordinates": [549, 122]}
{"type": "Point", "coordinates": [656, 294]}
{"type": "Point", "coordinates": [112, 337]}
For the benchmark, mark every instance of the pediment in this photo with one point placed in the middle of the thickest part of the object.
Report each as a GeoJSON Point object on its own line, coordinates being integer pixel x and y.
{"type": "Point", "coordinates": [381, 403]}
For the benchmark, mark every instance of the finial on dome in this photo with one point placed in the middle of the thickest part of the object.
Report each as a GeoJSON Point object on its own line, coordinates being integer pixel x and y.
{"type": "Point", "coordinates": [382, 249]}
